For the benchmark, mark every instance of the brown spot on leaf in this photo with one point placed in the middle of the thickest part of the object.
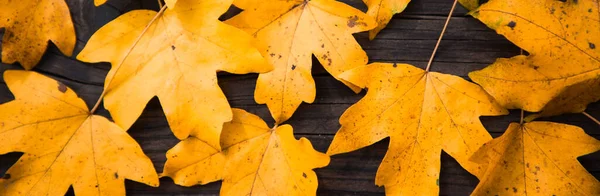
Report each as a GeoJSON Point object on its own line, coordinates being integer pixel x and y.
{"type": "Point", "coordinates": [61, 87]}
{"type": "Point", "coordinates": [172, 47]}
{"type": "Point", "coordinates": [512, 25]}
{"type": "Point", "coordinates": [325, 57]}
{"type": "Point", "coordinates": [592, 45]}
{"type": "Point", "coordinates": [353, 21]}
{"type": "Point", "coordinates": [116, 175]}
{"type": "Point", "coordinates": [304, 175]}
{"type": "Point", "coordinates": [293, 67]}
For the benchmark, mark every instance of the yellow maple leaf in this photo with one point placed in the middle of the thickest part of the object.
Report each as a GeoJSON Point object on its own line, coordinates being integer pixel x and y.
{"type": "Point", "coordinates": [288, 33]}
{"type": "Point", "coordinates": [422, 113]}
{"type": "Point", "coordinates": [29, 25]}
{"type": "Point", "coordinates": [170, 3]}
{"type": "Point", "coordinates": [537, 158]}
{"type": "Point", "coordinates": [63, 144]}
{"type": "Point", "coordinates": [382, 11]}
{"type": "Point", "coordinates": [469, 4]}
{"type": "Point", "coordinates": [255, 160]}
{"type": "Point", "coordinates": [99, 2]}
{"type": "Point", "coordinates": [572, 99]}
{"type": "Point", "coordinates": [563, 39]}
{"type": "Point", "coordinates": [176, 59]}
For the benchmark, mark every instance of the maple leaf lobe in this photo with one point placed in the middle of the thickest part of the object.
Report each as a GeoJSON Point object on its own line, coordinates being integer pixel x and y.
{"type": "Point", "coordinates": [531, 158]}
{"type": "Point", "coordinates": [27, 32]}
{"type": "Point", "coordinates": [559, 38]}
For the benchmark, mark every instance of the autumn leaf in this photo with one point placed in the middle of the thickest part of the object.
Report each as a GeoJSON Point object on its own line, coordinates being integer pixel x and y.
{"type": "Point", "coordinates": [170, 3]}
{"type": "Point", "coordinates": [99, 2]}
{"type": "Point", "coordinates": [572, 99]}
{"type": "Point", "coordinates": [562, 39]}
{"type": "Point", "coordinates": [469, 4]}
{"type": "Point", "coordinates": [63, 144]}
{"type": "Point", "coordinates": [288, 33]}
{"type": "Point", "coordinates": [537, 158]}
{"type": "Point", "coordinates": [255, 160]}
{"type": "Point", "coordinates": [382, 11]}
{"type": "Point", "coordinates": [29, 24]}
{"type": "Point", "coordinates": [422, 113]}
{"type": "Point", "coordinates": [176, 59]}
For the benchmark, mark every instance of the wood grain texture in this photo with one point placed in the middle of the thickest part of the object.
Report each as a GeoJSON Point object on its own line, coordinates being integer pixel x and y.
{"type": "Point", "coordinates": [409, 38]}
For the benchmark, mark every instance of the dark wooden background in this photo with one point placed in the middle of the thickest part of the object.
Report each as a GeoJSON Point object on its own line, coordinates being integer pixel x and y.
{"type": "Point", "coordinates": [409, 38]}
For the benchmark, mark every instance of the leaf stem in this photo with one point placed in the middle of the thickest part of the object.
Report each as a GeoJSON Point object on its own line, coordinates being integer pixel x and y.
{"type": "Point", "coordinates": [441, 35]}
{"type": "Point", "coordinates": [160, 3]}
{"type": "Point", "coordinates": [162, 9]}
{"type": "Point", "coordinates": [591, 117]}
{"type": "Point", "coordinates": [522, 116]}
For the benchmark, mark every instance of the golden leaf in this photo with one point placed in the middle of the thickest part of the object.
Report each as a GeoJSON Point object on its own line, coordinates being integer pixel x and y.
{"type": "Point", "coordinates": [255, 160]}
{"type": "Point", "coordinates": [572, 99]}
{"type": "Point", "coordinates": [99, 2]}
{"type": "Point", "coordinates": [562, 39]}
{"type": "Point", "coordinates": [422, 113]}
{"type": "Point", "coordinates": [29, 25]}
{"type": "Point", "coordinates": [176, 59]}
{"type": "Point", "coordinates": [382, 11]}
{"type": "Point", "coordinates": [469, 4]}
{"type": "Point", "coordinates": [63, 144]}
{"type": "Point", "coordinates": [537, 158]}
{"type": "Point", "coordinates": [288, 33]}
{"type": "Point", "coordinates": [170, 3]}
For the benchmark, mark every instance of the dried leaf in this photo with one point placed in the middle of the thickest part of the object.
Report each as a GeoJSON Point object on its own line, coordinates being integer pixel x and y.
{"type": "Point", "coordinates": [30, 25]}
{"type": "Point", "coordinates": [170, 3]}
{"type": "Point", "coordinates": [63, 144]}
{"type": "Point", "coordinates": [176, 59]}
{"type": "Point", "coordinates": [382, 11]}
{"type": "Point", "coordinates": [562, 39]}
{"type": "Point", "coordinates": [537, 158]}
{"type": "Point", "coordinates": [572, 99]}
{"type": "Point", "coordinates": [288, 33]}
{"type": "Point", "coordinates": [99, 2]}
{"type": "Point", "coordinates": [422, 113]}
{"type": "Point", "coordinates": [469, 4]}
{"type": "Point", "coordinates": [255, 160]}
